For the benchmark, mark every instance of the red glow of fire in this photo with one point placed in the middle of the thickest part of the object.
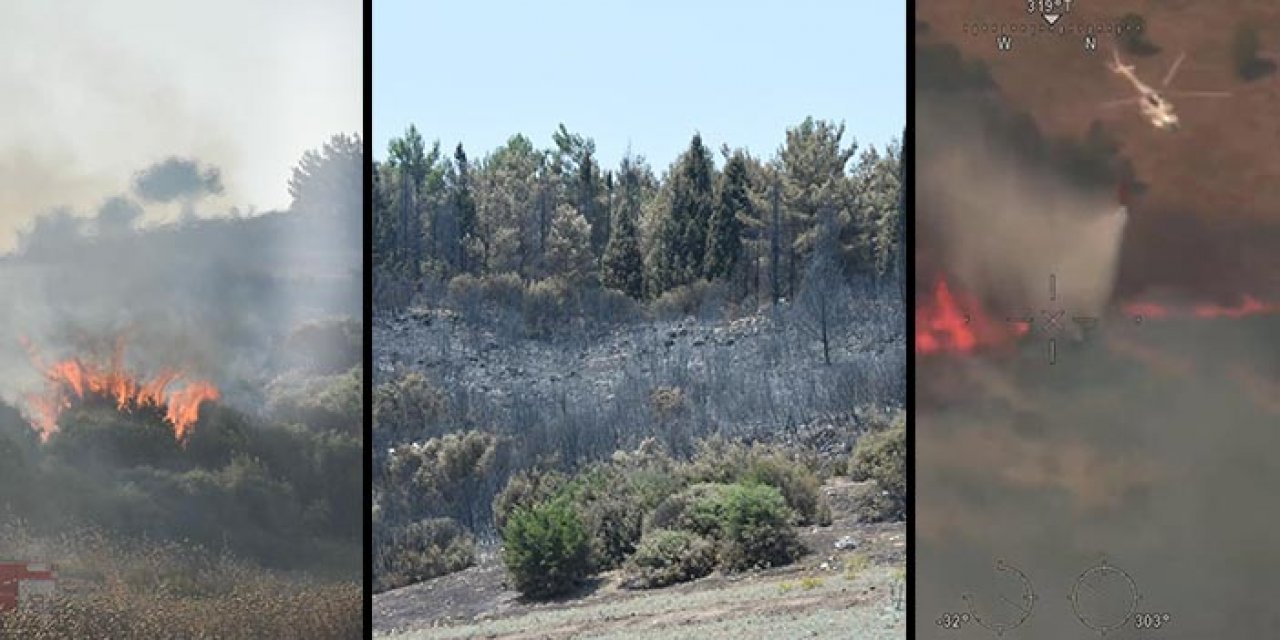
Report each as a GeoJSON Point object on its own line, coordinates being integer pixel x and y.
{"type": "Point", "coordinates": [1248, 306]}
{"type": "Point", "coordinates": [951, 323]}
{"type": "Point", "coordinates": [75, 379]}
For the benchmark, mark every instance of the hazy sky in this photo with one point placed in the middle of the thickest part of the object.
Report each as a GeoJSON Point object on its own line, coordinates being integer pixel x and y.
{"type": "Point", "coordinates": [96, 91]}
{"type": "Point", "coordinates": [645, 72]}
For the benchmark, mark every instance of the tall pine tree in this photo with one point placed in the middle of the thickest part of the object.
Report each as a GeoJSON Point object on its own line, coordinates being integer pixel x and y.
{"type": "Point", "coordinates": [682, 234]}
{"type": "Point", "coordinates": [464, 208]}
{"type": "Point", "coordinates": [623, 267]}
{"type": "Point", "coordinates": [724, 231]}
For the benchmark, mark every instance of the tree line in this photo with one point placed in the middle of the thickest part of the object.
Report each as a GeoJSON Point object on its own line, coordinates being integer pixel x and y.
{"type": "Point", "coordinates": [755, 225]}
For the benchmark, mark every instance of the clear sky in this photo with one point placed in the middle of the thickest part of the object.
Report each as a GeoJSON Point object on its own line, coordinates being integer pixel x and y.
{"type": "Point", "coordinates": [646, 74]}
{"type": "Point", "coordinates": [94, 92]}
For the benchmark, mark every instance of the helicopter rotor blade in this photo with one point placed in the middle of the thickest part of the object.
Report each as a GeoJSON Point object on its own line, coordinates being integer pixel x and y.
{"type": "Point", "coordinates": [1200, 94]}
{"type": "Point", "coordinates": [1173, 69]}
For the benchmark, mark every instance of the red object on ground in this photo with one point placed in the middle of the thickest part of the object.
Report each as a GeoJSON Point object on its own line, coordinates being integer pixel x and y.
{"type": "Point", "coordinates": [19, 581]}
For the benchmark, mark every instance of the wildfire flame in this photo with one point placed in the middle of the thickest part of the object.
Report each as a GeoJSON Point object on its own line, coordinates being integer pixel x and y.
{"type": "Point", "coordinates": [1248, 306]}
{"type": "Point", "coordinates": [75, 379]}
{"type": "Point", "coordinates": [951, 323]}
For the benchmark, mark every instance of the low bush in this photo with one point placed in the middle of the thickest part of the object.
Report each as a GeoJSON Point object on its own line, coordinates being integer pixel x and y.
{"type": "Point", "coordinates": [546, 305]}
{"type": "Point", "coordinates": [876, 505]}
{"type": "Point", "coordinates": [665, 557]}
{"type": "Point", "coordinates": [757, 529]}
{"type": "Point", "coordinates": [412, 553]}
{"type": "Point", "coordinates": [799, 486]}
{"type": "Point", "coordinates": [882, 458]}
{"type": "Point", "coordinates": [723, 461]}
{"type": "Point", "coordinates": [614, 524]}
{"type": "Point", "coordinates": [525, 489]}
{"type": "Point", "coordinates": [700, 298]}
{"type": "Point", "coordinates": [546, 549]}
{"type": "Point", "coordinates": [697, 509]}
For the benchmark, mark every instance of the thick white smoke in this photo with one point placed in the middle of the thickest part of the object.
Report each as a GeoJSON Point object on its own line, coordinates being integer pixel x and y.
{"type": "Point", "coordinates": [1003, 229]}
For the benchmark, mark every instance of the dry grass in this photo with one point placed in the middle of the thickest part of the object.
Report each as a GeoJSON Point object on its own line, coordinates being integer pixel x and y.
{"type": "Point", "coordinates": [109, 589]}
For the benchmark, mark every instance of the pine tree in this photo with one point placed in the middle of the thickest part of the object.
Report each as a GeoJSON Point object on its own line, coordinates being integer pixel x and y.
{"type": "Point", "coordinates": [813, 176]}
{"type": "Point", "coordinates": [724, 232]}
{"type": "Point", "coordinates": [623, 266]}
{"type": "Point", "coordinates": [464, 207]}
{"type": "Point", "coordinates": [682, 234]}
{"type": "Point", "coordinates": [569, 245]}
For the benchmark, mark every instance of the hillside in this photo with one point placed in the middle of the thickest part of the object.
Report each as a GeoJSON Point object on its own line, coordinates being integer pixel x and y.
{"type": "Point", "coordinates": [838, 591]}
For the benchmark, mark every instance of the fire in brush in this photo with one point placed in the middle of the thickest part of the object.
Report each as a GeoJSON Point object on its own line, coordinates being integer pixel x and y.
{"type": "Point", "coordinates": [950, 321]}
{"type": "Point", "coordinates": [1247, 306]}
{"type": "Point", "coordinates": [80, 380]}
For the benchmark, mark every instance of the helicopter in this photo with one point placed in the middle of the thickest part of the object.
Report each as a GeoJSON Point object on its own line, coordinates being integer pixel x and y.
{"type": "Point", "coordinates": [1154, 106]}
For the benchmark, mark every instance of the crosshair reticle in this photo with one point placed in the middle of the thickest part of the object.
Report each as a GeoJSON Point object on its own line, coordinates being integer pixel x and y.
{"type": "Point", "coordinates": [1008, 602]}
{"type": "Point", "coordinates": [1104, 598]}
{"type": "Point", "coordinates": [1052, 318]}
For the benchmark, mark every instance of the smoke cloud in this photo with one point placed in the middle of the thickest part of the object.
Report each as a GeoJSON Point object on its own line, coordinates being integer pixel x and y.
{"type": "Point", "coordinates": [177, 178]}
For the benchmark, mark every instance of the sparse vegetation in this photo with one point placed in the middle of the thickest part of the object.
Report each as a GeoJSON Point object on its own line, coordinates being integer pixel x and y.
{"type": "Point", "coordinates": [665, 557]}
{"type": "Point", "coordinates": [855, 564]}
{"type": "Point", "coordinates": [1244, 54]}
{"type": "Point", "coordinates": [882, 457]}
{"type": "Point", "coordinates": [116, 589]}
{"type": "Point", "coordinates": [422, 550]}
{"type": "Point", "coordinates": [1132, 33]}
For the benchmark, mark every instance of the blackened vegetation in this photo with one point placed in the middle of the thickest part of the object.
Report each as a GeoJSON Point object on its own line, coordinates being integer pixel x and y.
{"type": "Point", "coordinates": [536, 314]}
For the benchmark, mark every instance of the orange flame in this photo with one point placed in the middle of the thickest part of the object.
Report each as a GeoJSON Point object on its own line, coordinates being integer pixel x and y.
{"type": "Point", "coordinates": [75, 379]}
{"type": "Point", "coordinates": [949, 323]}
{"type": "Point", "coordinates": [1248, 306]}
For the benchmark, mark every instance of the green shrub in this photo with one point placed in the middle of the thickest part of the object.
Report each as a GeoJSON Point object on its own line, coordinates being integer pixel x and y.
{"type": "Point", "coordinates": [698, 298]}
{"type": "Point", "coordinates": [882, 457]}
{"type": "Point", "coordinates": [697, 509]}
{"type": "Point", "coordinates": [614, 524]}
{"type": "Point", "coordinates": [472, 295]}
{"type": "Point", "coordinates": [665, 557]}
{"type": "Point", "coordinates": [525, 489]}
{"type": "Point", "coordinates": [408, 406]}
{"type": "Point", "coordinates": [453, 475]}
{"type": "Point", "coordinates": [412, 553]}
{"type": "Point", "coordinates": [547, 303]}
{"type": "Point", "coordinates": [723, 461]}
{"type": "Point", "coordinates": [547, 551]}
{"type": "Point", "coordinates": [613, 497]}
{"type": "Point", "coordinates": [799, 486]}
{"type": "Point", "coordinates": [877, 505]}
{"type": "Point", "coordinates": [757, 528]}
{"type": "Point", "coordinates": [751, 522]}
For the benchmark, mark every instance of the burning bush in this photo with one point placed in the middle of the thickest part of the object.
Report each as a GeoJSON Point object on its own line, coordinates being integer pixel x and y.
{"type": "Point", "coordinates": [73, 381]}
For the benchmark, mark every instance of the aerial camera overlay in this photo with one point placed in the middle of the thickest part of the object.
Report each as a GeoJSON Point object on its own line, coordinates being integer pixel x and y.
{"type": "Point", "coordinates": [1097, 316]}
{"type": "Point", "coordinates": [639, 333]}
{"type": "Point", "coordinates": [181, 437]}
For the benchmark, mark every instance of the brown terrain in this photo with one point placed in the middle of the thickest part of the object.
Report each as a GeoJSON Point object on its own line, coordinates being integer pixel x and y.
{"type": "Point", "coordinates": [1225, 160]}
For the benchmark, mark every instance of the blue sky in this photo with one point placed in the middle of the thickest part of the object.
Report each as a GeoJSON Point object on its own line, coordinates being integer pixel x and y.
{"type": "Point", "coordinates": [644, 73]}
